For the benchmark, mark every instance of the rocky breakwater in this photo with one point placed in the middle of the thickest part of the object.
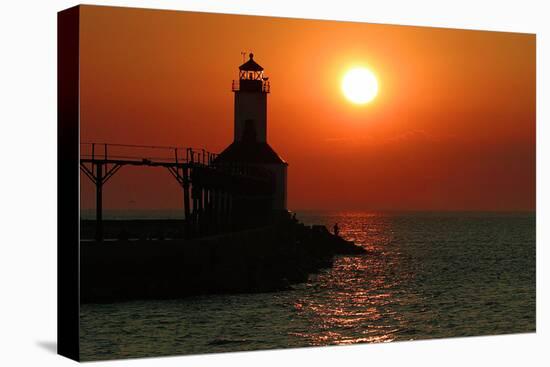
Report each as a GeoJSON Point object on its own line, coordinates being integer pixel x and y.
{"type": "Point", "coordinates": [258, 260]}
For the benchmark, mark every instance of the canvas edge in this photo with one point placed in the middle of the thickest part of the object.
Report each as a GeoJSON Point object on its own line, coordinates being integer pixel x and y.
{"type": "Point", "coordinates": [68, 262]}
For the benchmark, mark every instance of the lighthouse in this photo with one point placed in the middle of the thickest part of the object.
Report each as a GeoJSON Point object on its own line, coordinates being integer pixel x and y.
{"type": "Point", "coordinates": [250, 147]}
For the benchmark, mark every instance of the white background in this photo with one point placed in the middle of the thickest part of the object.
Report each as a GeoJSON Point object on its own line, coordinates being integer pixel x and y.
{"type": "Point", "coordinates": [28, 183]}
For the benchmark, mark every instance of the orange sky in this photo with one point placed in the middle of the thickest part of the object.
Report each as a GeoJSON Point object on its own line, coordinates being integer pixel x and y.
{"type": "Point", "coordinates": [452, 128]}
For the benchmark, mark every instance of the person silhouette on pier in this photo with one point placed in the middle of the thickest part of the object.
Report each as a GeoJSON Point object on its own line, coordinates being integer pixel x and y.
{"type": "Point", "coordinates": [336, 229]}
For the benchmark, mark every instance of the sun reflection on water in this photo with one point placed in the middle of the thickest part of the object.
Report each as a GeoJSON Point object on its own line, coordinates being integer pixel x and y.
{"type": "Point", "coordinates": [353, 302]}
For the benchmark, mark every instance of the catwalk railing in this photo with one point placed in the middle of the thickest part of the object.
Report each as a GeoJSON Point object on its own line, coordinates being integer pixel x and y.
{"type": "Point", "coordinates": [215, 197]}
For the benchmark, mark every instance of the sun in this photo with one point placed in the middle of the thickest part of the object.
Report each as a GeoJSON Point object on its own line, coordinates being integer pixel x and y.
{"type": "Point", "coordinates": [360, 85]}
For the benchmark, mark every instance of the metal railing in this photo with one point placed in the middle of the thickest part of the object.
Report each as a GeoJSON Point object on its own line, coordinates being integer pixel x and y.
{"type": "Point", "coordinates": [265, 88]}
{"type": "Point", "coordinates": [130, 152]}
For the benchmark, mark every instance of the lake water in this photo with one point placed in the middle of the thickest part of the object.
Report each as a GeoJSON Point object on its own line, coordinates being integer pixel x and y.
{"type": "Point", "coordinates": [425, 275]}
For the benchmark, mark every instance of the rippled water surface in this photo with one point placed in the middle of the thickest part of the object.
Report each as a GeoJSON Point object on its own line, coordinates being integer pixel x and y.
{"type": "Point", "coordinates": [425, 275]}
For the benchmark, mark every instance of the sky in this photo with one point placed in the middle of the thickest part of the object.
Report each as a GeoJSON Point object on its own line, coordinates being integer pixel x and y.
{"type": "Point", "coordinates": [452, 126]}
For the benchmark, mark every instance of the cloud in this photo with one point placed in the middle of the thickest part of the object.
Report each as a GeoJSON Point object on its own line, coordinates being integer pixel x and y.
{"type": "Point", "coordinates": [420, 136]}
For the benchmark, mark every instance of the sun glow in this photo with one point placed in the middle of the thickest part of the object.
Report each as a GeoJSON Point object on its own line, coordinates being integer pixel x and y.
{"type": "Point", "coordinates": [360, 85]}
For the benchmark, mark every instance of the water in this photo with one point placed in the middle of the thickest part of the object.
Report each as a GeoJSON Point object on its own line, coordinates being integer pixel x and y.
{"type": "Point", "coordinates": [425, 275]}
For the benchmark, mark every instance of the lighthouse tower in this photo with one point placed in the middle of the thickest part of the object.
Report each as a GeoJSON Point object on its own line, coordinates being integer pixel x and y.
{"type": "Point", "coordinates": [250, 145]}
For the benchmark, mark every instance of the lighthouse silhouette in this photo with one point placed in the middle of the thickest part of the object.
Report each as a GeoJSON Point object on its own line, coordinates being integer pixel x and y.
{"type": "Point", "coordinates": [250, 147]}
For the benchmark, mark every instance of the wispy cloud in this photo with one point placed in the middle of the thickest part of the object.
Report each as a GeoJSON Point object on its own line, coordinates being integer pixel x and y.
{"type": "Point", "coordinates": [406, 136]}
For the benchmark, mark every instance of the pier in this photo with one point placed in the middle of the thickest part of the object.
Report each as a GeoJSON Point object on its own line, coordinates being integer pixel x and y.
{"type": "Point", "coordinates": [215, 197]}
{"type": "Point", "coordinates": [263, 259]}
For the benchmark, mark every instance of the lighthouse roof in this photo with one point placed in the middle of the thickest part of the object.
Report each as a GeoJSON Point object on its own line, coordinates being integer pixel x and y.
{"type": "Point", "coordinates": [249, 153]}
{"type": "Point", "coordinates": [251, 65]}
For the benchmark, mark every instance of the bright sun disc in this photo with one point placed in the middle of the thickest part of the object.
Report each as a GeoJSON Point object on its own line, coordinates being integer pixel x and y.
{"type": "Point", "coordinates": [360, 85]}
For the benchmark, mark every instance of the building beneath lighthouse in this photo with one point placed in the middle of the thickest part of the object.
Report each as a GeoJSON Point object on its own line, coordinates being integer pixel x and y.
{"type": "Point", "coordinates": [250, 147]}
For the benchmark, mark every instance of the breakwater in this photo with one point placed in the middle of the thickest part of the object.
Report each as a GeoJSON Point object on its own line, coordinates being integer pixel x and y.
{"type": "Point", "coordinates": [264, 259]}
